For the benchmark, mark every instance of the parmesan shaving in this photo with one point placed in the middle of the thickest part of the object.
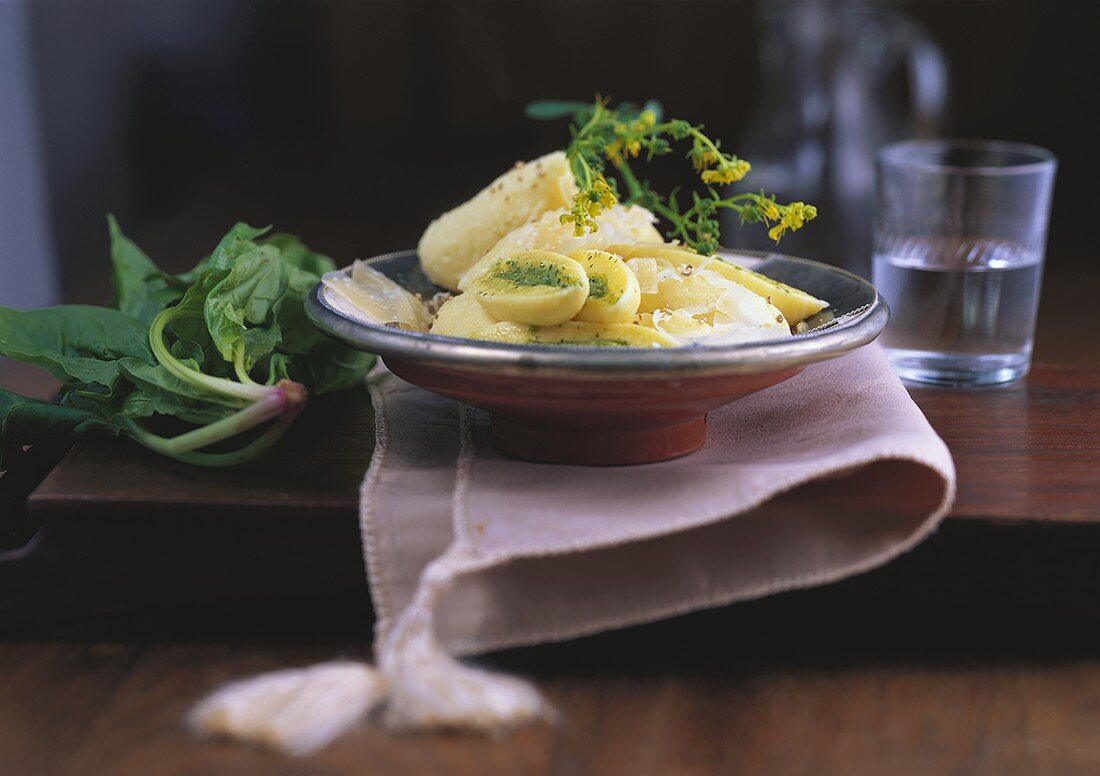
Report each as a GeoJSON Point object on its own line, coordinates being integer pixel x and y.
{"type": "Point", "coordinates": [371, 296]}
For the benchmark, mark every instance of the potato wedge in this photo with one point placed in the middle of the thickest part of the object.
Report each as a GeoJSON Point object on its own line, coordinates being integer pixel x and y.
{"type": "Point", "coordinates": [619, 224]}
{"type": "Point", "coordinates": [579, 334]}
{"type": "Point", "coordinates": [613, 291]}
{"type": "Point", "coordinates": [456, 240]}
{"type": "Point", "coordinates": [461, 316]}
{"type": "Point", "coordinates": [535, 287]}
{"type": "Point", "coordinates": [795, 304]}
{"type": "Point", "coordinates": [666, 254]}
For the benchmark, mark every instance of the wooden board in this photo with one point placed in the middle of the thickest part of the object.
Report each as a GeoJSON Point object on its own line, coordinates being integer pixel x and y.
{"type": "Point", "coordinates": [1029, 452]}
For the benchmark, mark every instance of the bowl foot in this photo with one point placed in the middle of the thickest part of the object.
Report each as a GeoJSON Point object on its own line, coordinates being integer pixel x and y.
{"type": "Point", "coordinates": [599, 446]}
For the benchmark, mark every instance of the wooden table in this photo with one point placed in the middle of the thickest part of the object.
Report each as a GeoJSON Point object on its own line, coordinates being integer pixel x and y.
{"type": "Point", "coordinates": [975, 653]}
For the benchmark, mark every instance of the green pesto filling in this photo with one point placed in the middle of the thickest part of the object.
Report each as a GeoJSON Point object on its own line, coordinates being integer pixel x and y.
{"type": "Point", "coordinates": [527, 274]}
{"type": "Point", "coordinates": [598, 289]}
{"type": "Point", "coordinates": [597, 286]}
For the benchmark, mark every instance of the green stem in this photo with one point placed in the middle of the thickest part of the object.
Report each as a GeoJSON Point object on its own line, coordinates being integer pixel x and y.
{"type": "Point", "coordinates": [271, 406]}
{"type": "Point", "coordinates": [587, 172]}
{"type": "Point", "coordinates": [240, 371]}
{"type": "Point", "coordinates": [637, 193]}
{"type": "Point", "coordinates": [695, 133]}
{"type": "Point", "coordinates": [232, 458]}
{"type": "Point", "coordinates": [631, 180]}
{"type": "Point", "coordinates": [217, 385]}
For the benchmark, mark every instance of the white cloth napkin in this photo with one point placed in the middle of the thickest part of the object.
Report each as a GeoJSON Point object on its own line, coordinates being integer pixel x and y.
{"type": "Point", "coordinates": [826, 475]}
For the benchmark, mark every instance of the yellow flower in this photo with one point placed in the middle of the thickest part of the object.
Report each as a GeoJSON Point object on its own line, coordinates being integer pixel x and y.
{"type": "Point", "coordinates": [718, 176]}
{"type": "Point", "coordinates": [588, 205]}
{"type": "Point", "coordinates": [605, 196]}
{"type": "Point", "coordinates": [794, 216]}
{"type": "Point", "coordinates": [704, 159]}
{"type": "Point", "coordinates": [727, 172]}
{"type": "Point", "coordinates": [579, 221]}
{"type": "Point", "coordinates": [616, 149]}
{"type": "Point", "coordinates": [768, 209]}
{"type": "Point", "coordinates": [647, 119]}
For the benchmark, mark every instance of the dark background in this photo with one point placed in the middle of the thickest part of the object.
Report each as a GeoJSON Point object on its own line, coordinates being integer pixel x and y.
{"type": "Point", "coordinates": [353, 124]}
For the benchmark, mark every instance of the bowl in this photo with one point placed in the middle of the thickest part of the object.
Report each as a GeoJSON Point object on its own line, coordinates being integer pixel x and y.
{"type": "Point", "coordinates": [609, 406]}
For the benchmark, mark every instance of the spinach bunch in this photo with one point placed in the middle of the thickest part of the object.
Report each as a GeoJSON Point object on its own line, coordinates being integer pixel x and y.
{"type": "Point", "coordinates": [226, 348]}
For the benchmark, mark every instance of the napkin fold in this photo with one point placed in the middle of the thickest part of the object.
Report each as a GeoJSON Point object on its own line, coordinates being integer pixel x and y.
{"type": "Point", "coordinates": [831, 473]}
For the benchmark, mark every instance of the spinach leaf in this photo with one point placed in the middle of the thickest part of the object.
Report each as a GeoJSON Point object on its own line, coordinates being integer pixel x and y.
{"type": "Point", "coordinates": [329, 367]}
{"type": "Point", "coordinates": [318, 362]}
{"type": "Point", "coordinates": [240, 310]}
{"type": "Point", "coordinates": [74, 342]}
{"type": "Point", "coordinates": [141, 289]}
{"type": "Point", "coordinates": [237, 241]}
{"type": "Point", "coordinates": [150, 377]}
{"type": "Point", "coordinates": [146, 402]}
{"type": "Point", "coordinates": [194, 299]}
{"type": "Point", "coordinates": [299, 335]}
{"type": "Point", "coordinates": [182, 346]}
{"type": "Point", "coordinates": [296, 255]}
{"type": "Point", "coordinates": [25, 421]}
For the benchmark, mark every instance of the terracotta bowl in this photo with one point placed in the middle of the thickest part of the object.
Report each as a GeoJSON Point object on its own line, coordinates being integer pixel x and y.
{"type": "Point", "coordinates": [607, 406]}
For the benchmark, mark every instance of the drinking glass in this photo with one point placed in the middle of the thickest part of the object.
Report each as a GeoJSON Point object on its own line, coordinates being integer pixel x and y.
{"type": "Point", "coordinates": [959, 238]}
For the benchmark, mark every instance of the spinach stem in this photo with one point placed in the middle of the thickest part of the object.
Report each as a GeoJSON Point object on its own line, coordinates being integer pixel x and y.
{"type": "Point", "coordinates": [240, 371]}
{"type": "Point", "coordinates": [280, 402]}
{"type": "Point", "coordinates": [208, 382]}
{"type": "Point", "coordinates": [283, 401]}
{"type": "Point", "coordinates": [232, 458]}
{"type": "Point", "coordinates": [258, 412]}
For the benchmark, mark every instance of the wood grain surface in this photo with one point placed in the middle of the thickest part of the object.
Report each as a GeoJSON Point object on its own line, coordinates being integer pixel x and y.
{"type": "Point", "coordinates": [86, 710]}
{"type": "Point", "coordinates": [975, 653]}
{"type": "Point", "coordinates": [1027, 452]}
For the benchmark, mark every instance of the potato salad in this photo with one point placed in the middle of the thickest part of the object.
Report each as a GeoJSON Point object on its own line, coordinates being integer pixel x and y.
{"type": "Point", "coordinates": [516, 271]}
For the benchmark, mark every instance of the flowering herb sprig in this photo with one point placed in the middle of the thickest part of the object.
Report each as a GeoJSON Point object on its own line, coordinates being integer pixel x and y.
{"type": "Point", "coordinates": [605, 136]}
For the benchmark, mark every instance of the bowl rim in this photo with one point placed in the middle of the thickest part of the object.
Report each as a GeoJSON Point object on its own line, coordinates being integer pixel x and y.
{"type": "Point", "coordinates": [849, 332]}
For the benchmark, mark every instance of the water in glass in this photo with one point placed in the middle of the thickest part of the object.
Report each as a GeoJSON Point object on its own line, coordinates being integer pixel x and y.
{"type": "Point", "coordinates": [962, 309]}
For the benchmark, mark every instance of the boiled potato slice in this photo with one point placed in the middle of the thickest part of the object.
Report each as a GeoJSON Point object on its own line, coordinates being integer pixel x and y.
{"type": "Point", "coordinates": [370, 295]}
{"type": "Point", "coordinates": [666, 254]}
{"type": "Point", "coordinates": [796, 305]}
{"type": "Point", "coordinates": [613, 292]}
{"type": "Point", "coordinates": [456, 240]}
{"type": "Point", "coordinates": [461, 316]}
{"type": "Point", "coordinates": [536, 287]}
{"type": "Point", "coordinates": [618, 224]}
{"type": "Point", "coordinates": [578, 333]}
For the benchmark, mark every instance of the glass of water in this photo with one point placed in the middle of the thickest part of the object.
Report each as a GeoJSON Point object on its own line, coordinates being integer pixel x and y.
{"type": "Point", "coordinates": [960, 233]}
